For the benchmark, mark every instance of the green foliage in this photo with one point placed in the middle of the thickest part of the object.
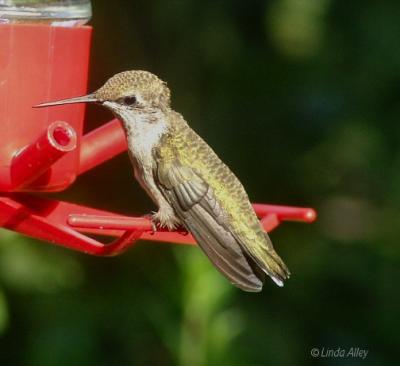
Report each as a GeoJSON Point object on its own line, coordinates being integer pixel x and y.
{"type": "Point", "coordinates": [300, 99]}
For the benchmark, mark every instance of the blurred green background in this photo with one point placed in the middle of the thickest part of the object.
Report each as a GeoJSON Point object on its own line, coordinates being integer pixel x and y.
{"type": "Point", "coordinates": [300, 98]}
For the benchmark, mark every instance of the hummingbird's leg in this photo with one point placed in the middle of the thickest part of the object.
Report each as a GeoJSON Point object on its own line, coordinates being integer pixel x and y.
{"type": "Point", "coordinates": [153, 224]}
{"type": "Point", "coordinates": [165, 216]}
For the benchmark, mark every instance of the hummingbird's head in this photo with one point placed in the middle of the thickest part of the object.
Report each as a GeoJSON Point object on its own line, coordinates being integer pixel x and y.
{"type": "Point", "coordinates": [134, 89]}
{"type": "Point", "coordinates": [127, 92]}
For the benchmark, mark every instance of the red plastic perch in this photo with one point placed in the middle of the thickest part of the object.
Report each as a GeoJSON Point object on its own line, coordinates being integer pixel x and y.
{"type": "Point", "coordinates": [270, 215]}
{"type": "Point", "coordinates": [66, 224]}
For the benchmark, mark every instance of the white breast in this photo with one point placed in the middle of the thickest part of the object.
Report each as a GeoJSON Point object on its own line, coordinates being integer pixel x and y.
{"type": "Point", "coordinates": [142, 135]}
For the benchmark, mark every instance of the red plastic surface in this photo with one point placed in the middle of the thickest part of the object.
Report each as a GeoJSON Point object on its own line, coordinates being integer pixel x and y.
{"type": "Point", "coordinates": [39, 63]}
{"type": "Point", "coordinates": [102, 144]}
{"type": "Point", "coordinates": [35, 159]}
{"type": "Point", "coordinates": [67, 224]}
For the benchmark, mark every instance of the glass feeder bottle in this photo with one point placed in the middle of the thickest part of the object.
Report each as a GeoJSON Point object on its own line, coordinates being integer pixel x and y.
{"type": "Point", "coordinates": [65, 13]}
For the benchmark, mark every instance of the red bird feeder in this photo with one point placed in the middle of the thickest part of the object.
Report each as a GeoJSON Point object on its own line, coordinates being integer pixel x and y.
{"type": "Point", "coordinates": [44, 150]}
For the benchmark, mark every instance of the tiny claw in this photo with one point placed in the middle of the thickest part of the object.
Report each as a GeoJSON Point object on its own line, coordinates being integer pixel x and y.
{"type": "Point", "coordinates": [153, 227]}
{"type": "Point", "coordinates": [153, 223]}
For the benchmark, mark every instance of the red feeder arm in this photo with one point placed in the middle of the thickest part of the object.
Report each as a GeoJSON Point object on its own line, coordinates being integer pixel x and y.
{"type": "Point", "coordinates": [33, 161]}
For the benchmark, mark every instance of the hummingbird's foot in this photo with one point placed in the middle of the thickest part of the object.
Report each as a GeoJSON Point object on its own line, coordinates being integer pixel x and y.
{"type": "Point", "coordinates": [165, 218]}
{"type": "Point", "coordinates": [153, 227]}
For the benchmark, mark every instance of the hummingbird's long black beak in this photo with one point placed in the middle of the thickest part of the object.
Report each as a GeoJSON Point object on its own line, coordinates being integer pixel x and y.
{"type": "Point", "coordinates": [90, 98]}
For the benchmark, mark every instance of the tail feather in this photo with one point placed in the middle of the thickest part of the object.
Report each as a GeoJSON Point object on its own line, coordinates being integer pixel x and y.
{"type": "Point", "coordinates": [270, 262]}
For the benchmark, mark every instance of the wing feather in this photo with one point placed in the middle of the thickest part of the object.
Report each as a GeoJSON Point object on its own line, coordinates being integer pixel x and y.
{"type": "Point", "coordinates": [196, 206]}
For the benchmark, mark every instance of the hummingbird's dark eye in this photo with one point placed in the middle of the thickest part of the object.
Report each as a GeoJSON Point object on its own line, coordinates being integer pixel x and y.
{"type": "Point", "coordinates": [129, 100]}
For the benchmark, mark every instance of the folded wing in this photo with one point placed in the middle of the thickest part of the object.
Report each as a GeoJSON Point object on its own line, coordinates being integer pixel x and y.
{"type": "Point", "coordinates": [196, 206]}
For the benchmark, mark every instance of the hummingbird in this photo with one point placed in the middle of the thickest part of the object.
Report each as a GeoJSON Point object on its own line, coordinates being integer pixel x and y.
{"type": "Point", "coordinates": [187, 181]}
